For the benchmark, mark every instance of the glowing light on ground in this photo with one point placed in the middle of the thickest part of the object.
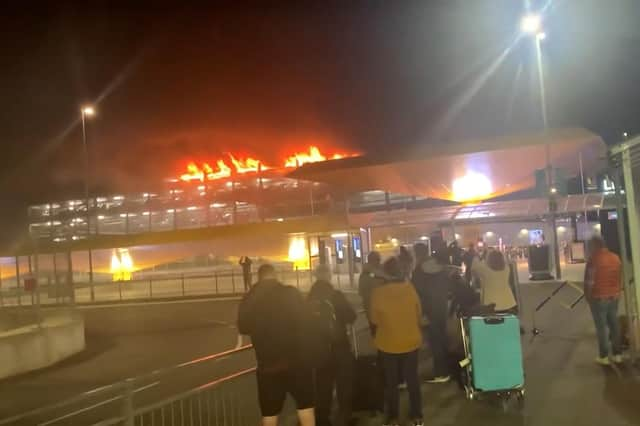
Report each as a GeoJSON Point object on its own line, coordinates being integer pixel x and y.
{"type": "Point", "coordinates": [121, 265]}
{"type": "Point", "coordinates": [298, 254]}
{"type": "Point", "coordinates": [472, 186]}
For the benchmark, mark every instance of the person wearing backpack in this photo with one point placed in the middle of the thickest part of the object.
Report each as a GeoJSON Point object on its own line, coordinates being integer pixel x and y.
{"type": "Point", "coordinates": [332, 357]}
{"type": "Point", "coordinates": [273, 315]}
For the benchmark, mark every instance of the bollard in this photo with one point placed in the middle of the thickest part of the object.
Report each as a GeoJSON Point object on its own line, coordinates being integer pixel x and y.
{"type": "Point", "coordinates": [150, 288]}
{"type": "Point", "coordinates": [233, 282]}
{"type": "Point", "coordinates": [298, 278]}
{"type": "Point", "coordinates": [182, 281]}
{"type": "Point", "coordinates": [127, 403]}
{"type": "Point", "coordinates": [215, 274]}
{"type": "Point", "coordinates": [120, 289]}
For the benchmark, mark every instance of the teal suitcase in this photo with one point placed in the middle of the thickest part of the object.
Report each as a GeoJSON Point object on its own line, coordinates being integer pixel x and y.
{"type": "Point", "coordinates": [495, 353]}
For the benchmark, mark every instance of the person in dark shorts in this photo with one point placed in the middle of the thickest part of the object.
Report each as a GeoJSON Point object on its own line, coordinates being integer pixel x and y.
{"type": "Point", "coordinates": [272, 314]}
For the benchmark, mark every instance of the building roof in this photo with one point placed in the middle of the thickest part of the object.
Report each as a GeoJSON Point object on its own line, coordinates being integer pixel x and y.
{"type": "Point", "coordinates": [433, 170]}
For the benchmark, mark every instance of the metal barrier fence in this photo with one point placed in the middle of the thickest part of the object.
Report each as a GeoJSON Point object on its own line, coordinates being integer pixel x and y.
{"type": "Point", "coordinates": [229, 400]}
{"type": "Point", "coordinates": [215, 283]}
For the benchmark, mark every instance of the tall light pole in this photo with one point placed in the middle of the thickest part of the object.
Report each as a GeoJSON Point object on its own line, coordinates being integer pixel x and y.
{"type": "Point", "coordinates": [531, 24]}
{"type": "Point", "coordinates": [87, 111]}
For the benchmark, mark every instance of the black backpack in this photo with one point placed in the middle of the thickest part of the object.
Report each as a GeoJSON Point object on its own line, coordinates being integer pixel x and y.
{"type": "Point", "coordinates": [321, 331]}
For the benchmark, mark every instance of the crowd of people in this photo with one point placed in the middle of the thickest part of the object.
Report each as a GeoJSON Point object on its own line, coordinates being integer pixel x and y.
{"type": "Point", "coordinates": [302, 343]}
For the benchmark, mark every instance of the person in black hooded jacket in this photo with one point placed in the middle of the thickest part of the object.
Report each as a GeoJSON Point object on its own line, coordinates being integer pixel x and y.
{"type": "Point", "coordinates": [433, 278]}
{"type": "Point", "coordinates": [338, 370]}
{"type": "Point", "coordinates": [273, 315]}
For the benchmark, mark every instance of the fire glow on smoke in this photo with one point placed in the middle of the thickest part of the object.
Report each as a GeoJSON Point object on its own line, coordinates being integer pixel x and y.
{"type": "Point", "coordinates": [224, 168]}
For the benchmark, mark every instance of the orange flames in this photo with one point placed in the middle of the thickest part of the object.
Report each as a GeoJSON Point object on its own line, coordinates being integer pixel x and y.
{"type": "Point", "coordinates": [204, 171]}
{"type": "Point", "coordinates": [247, 165]}
{"type": "Point", "coordinates": [314, 155]}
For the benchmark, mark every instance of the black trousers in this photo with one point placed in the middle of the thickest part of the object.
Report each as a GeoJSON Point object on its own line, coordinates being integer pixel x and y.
{"type": "Point", "coordinates": [338, 373]}
{"type": "Point", "coordinates": [437, 335]}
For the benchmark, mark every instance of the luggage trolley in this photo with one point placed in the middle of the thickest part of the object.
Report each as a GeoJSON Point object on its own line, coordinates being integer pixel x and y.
{"type": "Point", "coordinates": [493, 357]}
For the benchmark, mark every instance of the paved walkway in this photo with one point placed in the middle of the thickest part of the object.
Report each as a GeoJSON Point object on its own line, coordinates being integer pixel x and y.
{"type": "Point", "coordinates": [563, 384]}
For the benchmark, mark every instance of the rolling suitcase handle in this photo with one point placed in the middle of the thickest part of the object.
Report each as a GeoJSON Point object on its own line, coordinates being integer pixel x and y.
{"type": "Point", "coordinates": [354, 338]}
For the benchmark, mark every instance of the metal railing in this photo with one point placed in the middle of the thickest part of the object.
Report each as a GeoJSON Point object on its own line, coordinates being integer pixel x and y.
{"type": "Point", "coordinates": [216, 402]}
{"type": "Point", "coordinates": [221, 402]}
{"type": "Point", "coordinates": [154, 287]}
{"type": "Point", "coordinates": [230, 400]}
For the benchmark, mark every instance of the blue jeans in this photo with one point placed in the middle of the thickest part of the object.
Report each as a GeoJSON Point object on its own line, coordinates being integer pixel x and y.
{"type": "Point", "coordinates": [396, 367]}
{"type": "Point", "coordinates": [605, 317]}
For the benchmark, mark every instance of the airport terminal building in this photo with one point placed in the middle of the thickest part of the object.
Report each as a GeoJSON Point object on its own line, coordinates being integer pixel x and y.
{"type": "Point", "coordinates": [336, 211]}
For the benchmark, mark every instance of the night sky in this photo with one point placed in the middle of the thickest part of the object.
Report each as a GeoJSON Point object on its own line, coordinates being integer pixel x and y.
{"type": "Point", "coordinates": [172, 84]}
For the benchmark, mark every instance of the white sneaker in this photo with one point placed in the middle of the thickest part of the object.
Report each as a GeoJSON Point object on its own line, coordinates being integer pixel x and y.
{"type": "Point", "coordinates": [617, 359]}
{"type": "Point", "coordinates": [439, 379]}
{"type": "Point", "coordinates": [603, 361]}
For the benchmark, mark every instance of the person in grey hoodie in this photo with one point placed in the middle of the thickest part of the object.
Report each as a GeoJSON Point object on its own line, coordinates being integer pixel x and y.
{"type": "Point", "coordinates": [433, 278]}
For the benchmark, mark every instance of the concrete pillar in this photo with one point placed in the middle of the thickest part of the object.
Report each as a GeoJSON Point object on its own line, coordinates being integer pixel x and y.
{"type": "Point", "coordinates": [18, 279]}
{"type": "Point", "coordinates": [70, 288]}
{"type": "Point", "coordinates": [350, 259]}
{"type": "Point", "coordinates": [634, 224]}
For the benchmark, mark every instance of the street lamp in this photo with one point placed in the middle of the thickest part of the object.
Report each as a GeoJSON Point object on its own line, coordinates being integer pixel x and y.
{"type": "Point", "coordinates": [87, 111]}
{"type": "Point", "coordinates": [531, 25]}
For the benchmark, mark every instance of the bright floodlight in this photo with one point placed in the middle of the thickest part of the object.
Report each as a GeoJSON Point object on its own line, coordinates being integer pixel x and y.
{"type": "Point", "coordinates": [472, 186]}
{"type": "Point", "coordinates": [541, 36]}
{"type": "Point", "coordinates": [531, 24]}
{"type": "Point", "coordinates": [88, 111]}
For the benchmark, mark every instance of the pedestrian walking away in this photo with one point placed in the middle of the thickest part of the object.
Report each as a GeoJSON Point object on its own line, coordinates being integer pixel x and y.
{"type": "Point", "coordinates": [467, 259]}
{"type": "Point", "coordinates": [397, 314]}
{"type": "Point", "coordinates": [337, 368]}
{"type": "Point", "coordinates": [406, 262]}
{"type": "Point", "coordinates": [273, 314]}
{"type": "Point", "coordinates": [245, 263]}
{"type": "Point", "coordinates": [602, 287]}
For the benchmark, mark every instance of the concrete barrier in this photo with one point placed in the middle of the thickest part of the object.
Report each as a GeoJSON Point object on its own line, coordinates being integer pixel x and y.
{"type": "Point", "coordinates": [31, 347]}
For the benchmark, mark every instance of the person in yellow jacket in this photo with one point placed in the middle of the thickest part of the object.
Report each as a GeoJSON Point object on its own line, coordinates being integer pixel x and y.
{"type": "Point", "coordinates": [395, 311]}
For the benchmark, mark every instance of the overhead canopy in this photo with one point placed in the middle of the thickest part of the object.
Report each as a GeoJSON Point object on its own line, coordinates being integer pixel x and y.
{"type": "Point", "coordinates": [493, 211]}
{"type": "Point", "coordinates": [472, 169]}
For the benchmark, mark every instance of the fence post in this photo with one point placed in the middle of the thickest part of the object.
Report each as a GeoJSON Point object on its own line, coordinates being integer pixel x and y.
{"type": "Point", "coordinates": [127, 403]}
